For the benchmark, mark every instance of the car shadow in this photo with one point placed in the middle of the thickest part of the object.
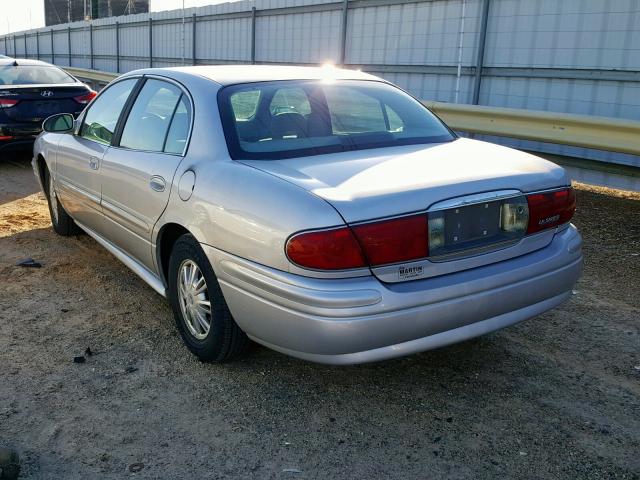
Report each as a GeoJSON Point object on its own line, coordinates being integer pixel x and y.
{"type": "Point", "coordinates": [69, 264]}
{"type": "Point", "coordinates": [461, 360]}
{"type": "Point", "coordinates": [16, 177]}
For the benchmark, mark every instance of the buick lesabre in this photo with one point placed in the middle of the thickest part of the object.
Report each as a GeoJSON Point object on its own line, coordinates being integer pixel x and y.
{"type": "Point", "coordinates": [324, 213]}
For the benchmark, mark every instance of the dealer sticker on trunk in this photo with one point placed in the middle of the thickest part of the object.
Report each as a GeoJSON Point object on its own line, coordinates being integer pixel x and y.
{"type": "Point", "coordinates": [405, 273]}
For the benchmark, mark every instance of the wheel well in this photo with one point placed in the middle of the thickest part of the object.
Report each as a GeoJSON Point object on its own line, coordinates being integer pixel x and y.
{"type": "Point", "coordinates": [42, 167]}
{"type": "Point", "coordinates": [166, 239]}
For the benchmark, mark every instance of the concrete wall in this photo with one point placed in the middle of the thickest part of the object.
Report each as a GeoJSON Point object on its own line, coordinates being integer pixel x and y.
{"type": "Point", "coordinates": [576, 56]}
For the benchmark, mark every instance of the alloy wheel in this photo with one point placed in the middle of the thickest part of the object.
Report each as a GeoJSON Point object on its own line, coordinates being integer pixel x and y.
{"type": "Point", "coordinates": [193, 296]}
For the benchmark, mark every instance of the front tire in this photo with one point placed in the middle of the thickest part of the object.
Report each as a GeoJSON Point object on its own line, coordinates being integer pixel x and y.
{"type": "Point", "coordinates": [61, 221]}
{"type": "Point", "coordinates": [202, 315]}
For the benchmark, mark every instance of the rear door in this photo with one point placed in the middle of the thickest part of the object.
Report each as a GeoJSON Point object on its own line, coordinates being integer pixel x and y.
{"type": "Point", "coordinates": [80, 155]}
{"type": "Point", "coordinates": [137, 171]}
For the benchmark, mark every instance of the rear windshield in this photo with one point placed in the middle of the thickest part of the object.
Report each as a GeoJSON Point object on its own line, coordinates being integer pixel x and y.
{"type": "Point", "coordinates": [295, 118]}
{"type": "Point", "coordinates": [33, 75]}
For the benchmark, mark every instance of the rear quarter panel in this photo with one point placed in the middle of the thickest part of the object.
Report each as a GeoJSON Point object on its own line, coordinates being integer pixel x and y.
{"type": "Point", "coordinates": [235, 207]}
{"type": "Point", "coordinates": [246, 212]}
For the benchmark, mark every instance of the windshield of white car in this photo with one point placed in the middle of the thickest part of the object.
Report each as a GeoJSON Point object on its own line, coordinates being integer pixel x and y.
{"type": "Point", "coordinates": [296, 118]}
{"type": "Point", "coordinates": [33, 75]}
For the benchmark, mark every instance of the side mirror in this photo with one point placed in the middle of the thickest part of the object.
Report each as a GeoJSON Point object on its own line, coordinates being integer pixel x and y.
{"type": "Point", "coordinates": [59, 123]}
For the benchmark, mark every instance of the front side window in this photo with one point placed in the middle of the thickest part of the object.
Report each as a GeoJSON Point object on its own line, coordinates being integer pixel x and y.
{"type": "Point", "coordinates": [295, 118]}
{"type": "Point", "coordinates": [33, 75]}
{"type": "Point", "coordinates": [150, 117]}
{"type": "Point", "coordinates": [101, 119]}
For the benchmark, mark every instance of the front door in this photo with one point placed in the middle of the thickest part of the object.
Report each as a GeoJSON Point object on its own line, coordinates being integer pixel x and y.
{"type": "Point", "coordinates": [77, 181]}
{"type": "Point", "coordinates": [138, 170]}
{"type": "Point", "coordinates": [79, 159]}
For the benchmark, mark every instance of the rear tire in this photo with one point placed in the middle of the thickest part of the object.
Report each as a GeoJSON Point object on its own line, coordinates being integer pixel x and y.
{"type": "Point", "coordinates": [200, 310]}
{"type": "Point", "coordinates": [61, 221]}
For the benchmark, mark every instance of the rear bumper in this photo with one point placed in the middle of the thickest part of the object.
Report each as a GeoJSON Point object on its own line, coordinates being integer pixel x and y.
{"type": "Point", "coordinates": [16, 145]}
{"type": "Point", "coordinates": [22, 135]}
{"type": "Point", "coordinates": [346, 321]}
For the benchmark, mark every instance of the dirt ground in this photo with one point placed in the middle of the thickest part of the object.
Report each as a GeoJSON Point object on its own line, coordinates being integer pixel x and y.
{"type": "Point", "coordinates": [556, 397]}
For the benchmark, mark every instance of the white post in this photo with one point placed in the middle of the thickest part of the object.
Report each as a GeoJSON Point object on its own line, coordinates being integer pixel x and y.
{"type": "Point", "coordinates": [460, 43]}
{"type": "Point", "coordinates": [183, 27]}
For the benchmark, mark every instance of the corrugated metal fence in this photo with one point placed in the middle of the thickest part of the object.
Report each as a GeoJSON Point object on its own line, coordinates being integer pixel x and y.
{"type": "Point", "coordinates": [573, 56]}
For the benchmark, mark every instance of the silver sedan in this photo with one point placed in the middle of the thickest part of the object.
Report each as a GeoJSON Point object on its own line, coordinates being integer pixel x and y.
{"type": "Point", "coordinates": [321, 212]}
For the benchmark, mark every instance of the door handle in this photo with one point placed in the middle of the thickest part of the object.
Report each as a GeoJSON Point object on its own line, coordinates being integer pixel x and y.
{"type": "Point", "coordinates": [157, 183]}
{"type": "Point", "coordinates": [94, 163]}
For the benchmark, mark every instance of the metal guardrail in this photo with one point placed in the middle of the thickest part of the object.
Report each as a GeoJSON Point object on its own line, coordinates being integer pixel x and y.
{"type": "Point", "coordinates": [92, 75]}
{"type": "Point", "coordinates": [600, 133]}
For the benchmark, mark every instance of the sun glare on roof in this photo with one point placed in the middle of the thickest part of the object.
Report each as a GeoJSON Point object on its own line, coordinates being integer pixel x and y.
{"type": "Point", "coordinates": [329, 72]}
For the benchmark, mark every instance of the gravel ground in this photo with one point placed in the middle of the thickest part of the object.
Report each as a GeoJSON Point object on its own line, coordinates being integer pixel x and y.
{"type": "Point", "coordinates": [554, 397]}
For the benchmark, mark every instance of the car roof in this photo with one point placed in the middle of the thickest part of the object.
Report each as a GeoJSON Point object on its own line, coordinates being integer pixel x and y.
{"type": "Point", "coordinates": [234, 74]}
{"type": "Point", "coordinates": [24, 62]}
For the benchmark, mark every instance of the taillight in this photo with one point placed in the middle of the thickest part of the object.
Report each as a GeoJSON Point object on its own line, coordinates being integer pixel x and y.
{"type": "Point", "coordinates": [436, 233]}
{"type": "Point", "coordinates": [550, 209]}
{"type": "Point", "coordinates": [85, 98]}
{"type": "Point", "coordinates": [335, 249]}
{"type": "Point", "coordinates": [8, 102]}
{"type": "Point", "coordinates": [369, 244]}
{"type": "Point", "coordinates": [395, 240]}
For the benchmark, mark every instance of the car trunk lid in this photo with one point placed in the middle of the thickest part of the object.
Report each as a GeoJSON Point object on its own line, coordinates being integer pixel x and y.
{"type": "Point", "coordinates": [378, 183]}
{"type": "Point", "coordinates": [464, 183]}
{"type": "Point", "coordinates": [37, 102]}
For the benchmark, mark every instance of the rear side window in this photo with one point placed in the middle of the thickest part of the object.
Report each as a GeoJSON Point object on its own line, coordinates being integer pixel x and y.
{"type": "Point", "coordinates": [33, 75]}
{"type": "Point", "coordinates": [179, 130]}
{"type": "Point", "coordinates": [100, 121]}
{"type": "Point", "coordinates": [148, 123]}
